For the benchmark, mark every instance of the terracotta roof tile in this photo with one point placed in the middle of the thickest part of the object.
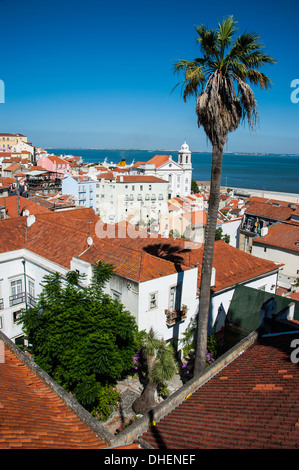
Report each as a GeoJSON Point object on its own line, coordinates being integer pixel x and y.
{"type": "Point", "coordinates": [32, 415]}
{"type": "Point", "coordinates": [61, 236]}
{"type": "Point", "coordinates": [10, 203]}
{"type": "Point", "coordinates": [139, 179]}
{"type": "Point", "coordinates": [158, 160]}
{"type": "Point", "coordinates": [282, 236]}
{"type": "Point", "coordinates": [269, 211]}
{"type": "Point", "coordinates": [252, 403]}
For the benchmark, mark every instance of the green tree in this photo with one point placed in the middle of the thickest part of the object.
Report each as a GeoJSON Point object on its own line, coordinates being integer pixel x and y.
{"type": "Point", "coordinates": [219, 235]}
{"type": "Point", "coordinates": [194, 187]}
{"type": "Point", "coordinates": [82, 338]}
{"type": "Point", "coordinates": [219, 82]}
{"type": "Point", "coordinates": [161, 367]}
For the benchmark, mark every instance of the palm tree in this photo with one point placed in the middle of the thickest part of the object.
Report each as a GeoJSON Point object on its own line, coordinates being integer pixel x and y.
{"type": "Point", "coordinates": [219, 82]}
{"type": "Point", "coordinates": [161, 367]}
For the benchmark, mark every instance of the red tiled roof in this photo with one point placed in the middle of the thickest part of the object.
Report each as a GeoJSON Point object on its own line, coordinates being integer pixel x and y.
{"type": "Point", "coordinates": [159, 160]}
{"type": "Point", "coordinates": [107, 175]}
{"type": "Point", "coordinates": [139, 179]}
{"type": "Point", "coordinates": [294, 296]}
{"type": "Point", "coordinates": [251, 403]}
{"type": "Point", "coordinates": [132, 264]}
{"type": "Point", "coordinates": [196, 217]}
{"type": "Point", "coordinates": [12, 167]}
{"type": "Point", "coordinates": [10, 203]}
{"type": "Point", "coordinates": [61, 236]}
{"type": "Point", "coordinates": [56, 159]}
{"type": "Point", "coordinates": [282, 236]}
{"type": "Point", "coordinates": [241, 267]}
{"type": "Point", "coordinates": [33, 416]}
{"type": "Point", "coordinates": [269, 211]}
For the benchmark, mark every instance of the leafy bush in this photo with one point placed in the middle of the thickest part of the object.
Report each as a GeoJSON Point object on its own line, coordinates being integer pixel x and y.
{"type": "Point", "coordinates": [82, 338]}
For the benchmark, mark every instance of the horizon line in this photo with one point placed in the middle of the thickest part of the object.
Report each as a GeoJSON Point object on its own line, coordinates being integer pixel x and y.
{"type": "Point", "coordinates": [169, 150]}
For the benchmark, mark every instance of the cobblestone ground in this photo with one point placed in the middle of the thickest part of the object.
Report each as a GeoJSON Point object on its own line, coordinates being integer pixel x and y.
{"type": "Point", "coordinates": [130, 388]}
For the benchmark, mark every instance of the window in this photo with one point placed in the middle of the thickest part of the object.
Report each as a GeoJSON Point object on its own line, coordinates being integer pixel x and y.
{"type": "Point", "coordinates": [150, 187]}
{"type": "Point", "coordinates": [133, 187]}
{"type": "Point", "coordinates": [265, 249]}
{"type": "Point", "coordinates": [153, 300]}
{"type": "Point", "coordinates": [16, 315]}
{"type": "Point", "coordinates": [116, 295]}
{"type": "Point", "coordinates": [16, 292]}
{"type": "Point", "coordinates": [175, 297]}
{"type": "Point", "coordinates": [31, 288]}
{"type": "Point", "coordinates": [1, 323]}
{"type": "Point", "coordinates": [141, 187]}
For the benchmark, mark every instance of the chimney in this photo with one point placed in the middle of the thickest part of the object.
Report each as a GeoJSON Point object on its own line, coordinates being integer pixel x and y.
{"type": "Point", "coordinates": [121, 179]}
{"type": "Point", "coordinates": [213, 277]}
{"type": "Point", "coordinates": [30, 220]}
{"type": "Point", "coordinates": [264, 231]}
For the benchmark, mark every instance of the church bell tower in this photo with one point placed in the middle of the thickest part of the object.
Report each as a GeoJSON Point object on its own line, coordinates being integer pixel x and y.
{"type": "Point", "coordinates": [185, 157]}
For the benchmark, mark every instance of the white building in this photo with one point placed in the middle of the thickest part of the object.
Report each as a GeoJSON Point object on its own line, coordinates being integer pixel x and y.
{"type": "Point", "coordinates": [178, 174]}
{"type": "Point", "coordinates": [138, 199]}
{"type": "Point", "coordinates": [156, 279]}
{"type": "Point", "coordinates": [280, 243]}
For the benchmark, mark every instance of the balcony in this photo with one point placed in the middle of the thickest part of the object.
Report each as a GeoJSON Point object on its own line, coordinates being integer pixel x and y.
{"type": "Point", "coordinates": [176, 316]}
{"type": "Point", "coordinates": [31, 301]}
{"type": "Point", "coordinates": [17, 299]}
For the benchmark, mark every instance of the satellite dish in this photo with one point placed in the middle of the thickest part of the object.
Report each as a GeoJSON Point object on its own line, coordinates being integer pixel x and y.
{"type": "Point", "coordinates": [89, 241]}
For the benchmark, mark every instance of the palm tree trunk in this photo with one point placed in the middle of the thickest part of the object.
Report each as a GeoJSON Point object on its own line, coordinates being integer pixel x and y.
{"type": "Point", "coordinates": [207, 262]}
{"type": "Point", "coordinates": [146, 401]}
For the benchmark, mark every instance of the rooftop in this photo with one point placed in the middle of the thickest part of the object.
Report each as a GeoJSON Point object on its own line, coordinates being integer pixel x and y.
{"type": "Point", "coordinates": [251, 403]}
{"type": "Point", "coordinates": [36, 413]}
{"type": "Point", "coordinates": [60, 236]}
{"type": "Point", "coordinates": [268, 210]}
{"type": "Point", "coordinates": [281, 235]}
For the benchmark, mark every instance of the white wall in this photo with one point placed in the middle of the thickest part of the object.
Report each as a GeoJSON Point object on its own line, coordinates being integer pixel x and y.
{"type": "Point", "coordinates": [278, 255]}
{"type": "Point", "coordinates": [11, 268]}
{"type": "Point", "coordinates": [156, 317]}
{"type": "Point", "coordinates": [223, 299]}
{"type": "Point", "coordinates": [232, 228]}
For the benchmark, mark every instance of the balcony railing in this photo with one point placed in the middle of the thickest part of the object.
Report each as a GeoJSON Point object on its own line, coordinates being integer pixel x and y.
{"type": "Point", "coordinates": [176, 316]}
{"type": "Point", "coordinates": [31, 301]}
{"type": "Point", "coordinates": [17, 299]}
{"type": "Point", "coordinates": [1, 304]}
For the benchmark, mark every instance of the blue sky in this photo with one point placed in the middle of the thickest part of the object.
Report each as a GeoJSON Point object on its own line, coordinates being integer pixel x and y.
{"type": "Point", "coordinates": [99, 74]}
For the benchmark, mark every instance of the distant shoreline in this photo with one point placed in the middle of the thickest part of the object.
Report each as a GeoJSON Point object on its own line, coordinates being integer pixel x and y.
{"type": "Point", "coordinates": [288, 197]}
{"type": "Point", "coordinates": [169, 150]}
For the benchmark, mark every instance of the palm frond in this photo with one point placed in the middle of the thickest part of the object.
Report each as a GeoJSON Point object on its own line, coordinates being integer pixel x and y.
{"type": "Point", "coordinates": [226, 30]}
{"type": "Point", "coordinates": [208, 40]}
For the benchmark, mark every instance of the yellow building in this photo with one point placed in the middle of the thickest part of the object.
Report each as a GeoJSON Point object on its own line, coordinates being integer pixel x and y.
{"type": "Point", "coordinates": [8, 140]}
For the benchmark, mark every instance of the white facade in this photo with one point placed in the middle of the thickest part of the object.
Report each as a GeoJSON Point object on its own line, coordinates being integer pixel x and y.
{"type": "Point", "coordinates": [138, 200]}
{"type": "Point", "coordinates": [178, 174]}
{"type": "Point", "coordinates": [279, 255]}
{"type": "Point", "coordinates": [21, 274]}
{"type": "Point", "coordinates": [232, 228]}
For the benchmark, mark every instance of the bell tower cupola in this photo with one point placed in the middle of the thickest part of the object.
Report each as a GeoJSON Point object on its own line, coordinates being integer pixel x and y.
{"type": "Point", "coordinates": [185, 156]}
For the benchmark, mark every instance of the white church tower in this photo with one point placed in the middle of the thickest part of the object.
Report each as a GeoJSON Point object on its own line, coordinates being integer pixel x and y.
{"type": "Point", "coordinates": [184, 160]}
{"type": "Point", "coordinates": [185, 157]}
